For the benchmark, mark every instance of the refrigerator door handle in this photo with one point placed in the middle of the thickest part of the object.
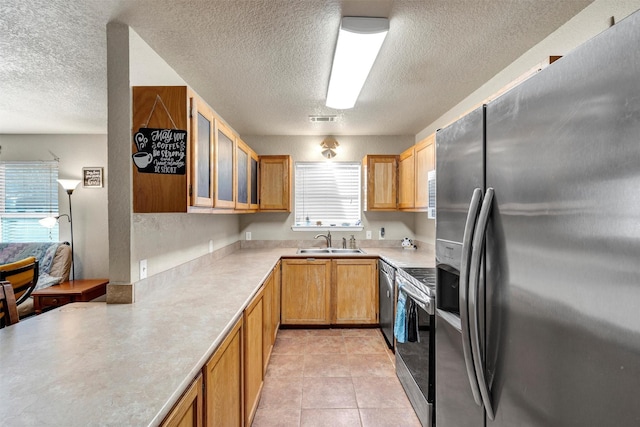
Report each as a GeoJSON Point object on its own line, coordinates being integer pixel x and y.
{"type": "Point", "coordinates": [474, 288]}
{"type": "Point", "coordinates": [472, 216]}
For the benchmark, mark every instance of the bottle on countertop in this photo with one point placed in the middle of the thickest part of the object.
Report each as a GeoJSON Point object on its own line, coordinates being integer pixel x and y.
{"type": "Point", "coordinates": [352, 242]}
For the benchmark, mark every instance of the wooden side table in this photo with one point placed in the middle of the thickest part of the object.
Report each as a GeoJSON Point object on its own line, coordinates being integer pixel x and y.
{"type": "Point", "coordinates": [67, 292]}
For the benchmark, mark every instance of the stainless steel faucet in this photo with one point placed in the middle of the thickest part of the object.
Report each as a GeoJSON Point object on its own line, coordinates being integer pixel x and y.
{"type": "Point", "coordinates": [326, 236]}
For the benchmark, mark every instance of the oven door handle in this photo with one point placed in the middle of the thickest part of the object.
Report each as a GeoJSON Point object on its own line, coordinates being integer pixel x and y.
{"type": "Point", "coordinates": [474, 289]}
{"type": "Point", "coordinates": [426, 305]}
{"type": "Point", "coordinates": [472, 216]}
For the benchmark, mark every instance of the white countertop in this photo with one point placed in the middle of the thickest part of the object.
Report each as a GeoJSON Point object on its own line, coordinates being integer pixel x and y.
{"type": "Point", "coordinates": [127, 364]}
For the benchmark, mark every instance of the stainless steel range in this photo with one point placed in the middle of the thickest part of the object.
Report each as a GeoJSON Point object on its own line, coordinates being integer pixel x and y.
{"type": "Point", "coordinates": [415, 358]}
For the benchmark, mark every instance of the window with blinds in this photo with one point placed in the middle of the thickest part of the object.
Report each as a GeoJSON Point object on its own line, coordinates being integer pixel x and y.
{"type": "Point", "coordinates": [327, 194]}
{"type": "Point", "coordinates": [28, 193]}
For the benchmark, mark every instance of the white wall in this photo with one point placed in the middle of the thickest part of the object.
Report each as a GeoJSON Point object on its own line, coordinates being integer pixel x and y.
{"type": "Point", "coordinates": [425, 229]}
{"type": "Point", "coordinates": [277, 226]}
{"type": "Point", "coordinates": [91, 239]}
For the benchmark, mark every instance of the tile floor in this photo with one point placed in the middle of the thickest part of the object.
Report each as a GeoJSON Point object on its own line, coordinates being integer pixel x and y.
{"type": "Point", "coordinates": [332, 377]}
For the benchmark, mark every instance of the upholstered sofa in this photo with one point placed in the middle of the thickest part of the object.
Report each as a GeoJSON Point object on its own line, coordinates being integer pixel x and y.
{"type": "Point", "coordinates": [54, 262]}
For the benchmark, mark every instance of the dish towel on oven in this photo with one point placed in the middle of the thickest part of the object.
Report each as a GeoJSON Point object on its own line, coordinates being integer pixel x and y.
{"type": "Point", "coordinates": [400, 326]}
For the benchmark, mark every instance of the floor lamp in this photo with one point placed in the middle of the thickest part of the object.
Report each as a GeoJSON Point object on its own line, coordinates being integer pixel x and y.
{"type": "Point", "coordinates": [69, 185]}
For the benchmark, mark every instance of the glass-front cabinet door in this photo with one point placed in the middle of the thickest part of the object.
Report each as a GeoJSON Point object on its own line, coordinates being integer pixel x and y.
{"type": "Point", "coordinates": [242, 175]}
{"type": "Point", "coordinates": [201, 190]}
{"type": "Point", "coordinates": [224, 165]}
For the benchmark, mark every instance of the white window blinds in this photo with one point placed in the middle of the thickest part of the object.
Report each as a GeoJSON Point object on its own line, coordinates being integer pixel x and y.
{"type": "Point", "coordinates": [327, 194]}
{"type": "Point", "coordinates": [28, 192]}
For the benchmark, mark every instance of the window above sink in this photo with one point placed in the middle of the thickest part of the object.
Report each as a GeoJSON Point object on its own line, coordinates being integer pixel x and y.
{"type": "Point", "coordinates": [327, 196]}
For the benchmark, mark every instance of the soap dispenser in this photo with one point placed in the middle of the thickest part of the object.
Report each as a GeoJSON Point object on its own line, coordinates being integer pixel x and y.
{"type": "Point", "coordinates": [352, 242]}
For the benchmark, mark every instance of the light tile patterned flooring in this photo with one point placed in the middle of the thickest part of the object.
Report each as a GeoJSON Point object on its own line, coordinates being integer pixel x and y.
{"type": "Point", "coordinates": [330, 378]}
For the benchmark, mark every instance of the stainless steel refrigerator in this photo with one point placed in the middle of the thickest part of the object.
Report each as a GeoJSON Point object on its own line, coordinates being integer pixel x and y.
{"type": "Point", "coordinates": [538, 247]}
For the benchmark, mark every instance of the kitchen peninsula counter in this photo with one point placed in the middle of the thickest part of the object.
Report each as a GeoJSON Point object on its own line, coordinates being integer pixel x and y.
{"type": "Point", "coordinates": [128, 364]}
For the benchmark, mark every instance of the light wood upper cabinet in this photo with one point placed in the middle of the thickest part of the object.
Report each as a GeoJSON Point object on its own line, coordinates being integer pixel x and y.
{"type": "Point", "coordinates": [253, 180]}
{"type": "Point", "coordinates": [188, 411]}
{"type": "Point", "coordinates": [406, 185]}
{"type": "Point", "coordinates": [202, 152]}
{"type": "Point", "coordinates": [219, 172]}
{"type": "Point", "coordinates": [275, 183]}
{"type": "Point", "coordinates": [380, 182]}
{"type": "Point", "coordinates": [415, 164]}
{"type": "Point", "coordinates": [223, 382]}
{"type": "Point", "coordinates": [243, 179]}
{"type": "Point", "coordinates": [425, 154]}
{"type": "Point", "coordinates": [355, 291]}
{"type": "Point", "coordinates": [306, 292]}
{"type": "Point", "coordinates": [224, 194]}
{"type": "Point", "coordinates": [253, 359]}
{"type": "Point", "coordinates": [155, 192]}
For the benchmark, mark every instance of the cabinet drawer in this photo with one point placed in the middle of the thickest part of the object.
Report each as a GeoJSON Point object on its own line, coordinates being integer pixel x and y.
{"type": "Point", "coordinates": [55, 301]}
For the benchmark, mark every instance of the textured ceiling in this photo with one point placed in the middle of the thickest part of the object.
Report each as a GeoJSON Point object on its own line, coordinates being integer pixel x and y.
{"type": "Point", "coordinates": [264, 65]}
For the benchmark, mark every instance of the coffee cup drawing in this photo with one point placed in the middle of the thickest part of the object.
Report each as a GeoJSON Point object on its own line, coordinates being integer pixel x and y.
{"type": "Point", "coordinates": [142, 159]}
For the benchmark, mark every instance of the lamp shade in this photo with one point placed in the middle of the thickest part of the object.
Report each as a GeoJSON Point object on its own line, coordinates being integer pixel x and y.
{"type": "Point", "coordinates": [48, 222]}
{"type": "Point", "coordinates": [359, 41]}
{"type": "Point", "coordinates": [69, 184]}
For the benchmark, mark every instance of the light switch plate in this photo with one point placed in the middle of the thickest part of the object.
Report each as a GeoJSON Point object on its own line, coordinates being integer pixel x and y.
{"type": "Point", "coordinates": [143, 269]}
{"type": "Point", "coordinates": [247, 235]}
{"type": "Point", "coordinates": [368, 234]}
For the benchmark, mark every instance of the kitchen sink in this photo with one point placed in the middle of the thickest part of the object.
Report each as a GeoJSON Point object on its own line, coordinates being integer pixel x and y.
{"type": "Point", "coordinates": [329, 251]}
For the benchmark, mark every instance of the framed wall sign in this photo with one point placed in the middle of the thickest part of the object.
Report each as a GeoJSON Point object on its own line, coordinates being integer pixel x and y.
{"type": "Point", "coordinates": [92, 177]}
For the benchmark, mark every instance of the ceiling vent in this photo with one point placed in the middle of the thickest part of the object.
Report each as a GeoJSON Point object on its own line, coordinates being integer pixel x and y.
{"type": "Point", "coordinates": [323, 118]}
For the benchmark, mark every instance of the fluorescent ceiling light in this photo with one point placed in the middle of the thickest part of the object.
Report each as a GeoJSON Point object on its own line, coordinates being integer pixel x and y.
{"type": "Point", "coordinates": [359, 42]}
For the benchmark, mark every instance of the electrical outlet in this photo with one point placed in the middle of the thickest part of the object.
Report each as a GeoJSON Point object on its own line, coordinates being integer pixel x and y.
{"type": "Point", "coordinates": [210, 246]}
{"type": "Point", "coordinates": [381, 234]}
{"type": "Point", "coordinates": [368, 234]}
{"type": "Point", "coordinates": [247, 235]}
{"type": "Point", "coordinates": [143, 269]}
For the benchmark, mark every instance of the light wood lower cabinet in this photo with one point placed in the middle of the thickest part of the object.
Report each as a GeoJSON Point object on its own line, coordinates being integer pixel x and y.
{"type": "Point", "coordinates": [324, 291]}
{"type": "Point", "coordinates": [270, 314]}
{"type": "Point", "coordinates": [354, 295]}
{"type": "Point", "coordinates": [234, 375]}
{"type": "Point", "coordinates": [223, 382]}
{"type": "Point", "coordinates": [277, 293]}
{"type": "Point", "coordinates": [306, 291]}
{"type": "Point", "coordinates": [253, 360]}
{"type": "Point", "coordinates": [267, 321]}
{"type": "Point", "coordinates": [188, 411]}
{"type": "Point", "coordinates": [297, 292]}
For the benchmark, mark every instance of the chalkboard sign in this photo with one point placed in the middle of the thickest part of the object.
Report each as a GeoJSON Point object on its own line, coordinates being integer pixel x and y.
{"type": "Point", "coordinates": [162, 151]}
